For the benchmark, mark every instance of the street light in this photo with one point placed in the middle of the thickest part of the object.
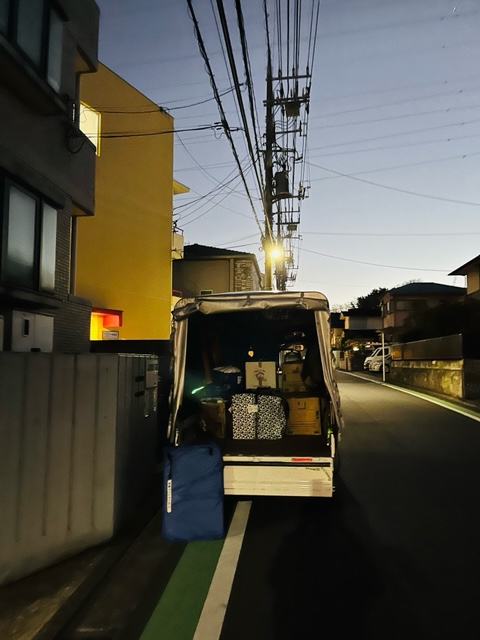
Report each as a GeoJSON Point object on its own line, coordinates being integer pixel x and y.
{"type": "Point", "coordinates": [277, 253]}
{"type": "Point", "coordinates": [274, 257]}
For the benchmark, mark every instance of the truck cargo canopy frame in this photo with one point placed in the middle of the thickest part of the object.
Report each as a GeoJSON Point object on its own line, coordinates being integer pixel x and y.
{"type": "Point", "coordinates": [257, 300]}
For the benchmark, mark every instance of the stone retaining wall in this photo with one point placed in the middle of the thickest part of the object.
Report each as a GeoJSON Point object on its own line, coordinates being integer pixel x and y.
{"type": "Point", "coordinates": [442, 376]}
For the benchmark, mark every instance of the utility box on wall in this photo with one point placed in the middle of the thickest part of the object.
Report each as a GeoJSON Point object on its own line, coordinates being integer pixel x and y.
{"type": "Point", "coordinates": [31, 332]}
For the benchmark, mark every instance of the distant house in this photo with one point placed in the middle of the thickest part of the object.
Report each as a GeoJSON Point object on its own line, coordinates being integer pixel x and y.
{"type": "Point", "coordinates": [337, 326]}
{"type": "Point", "coordinates": [206, 269]}
{"type": "Point", "coordinates": [361, 325]}
{"type": "Point", "coordinates": [399, 304]}
{"type": "Point", "coordinates": [472, 271]}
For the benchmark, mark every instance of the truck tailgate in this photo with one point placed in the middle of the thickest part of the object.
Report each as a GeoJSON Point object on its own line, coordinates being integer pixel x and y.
{"type": "Point", "coordinates": [295, 466]}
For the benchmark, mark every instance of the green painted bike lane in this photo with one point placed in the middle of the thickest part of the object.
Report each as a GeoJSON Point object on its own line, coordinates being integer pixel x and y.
{"type": "Point", "coordinates": [177, 613]}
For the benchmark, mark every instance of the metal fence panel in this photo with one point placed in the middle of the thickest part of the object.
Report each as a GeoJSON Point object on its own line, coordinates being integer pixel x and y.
{"type": "Point", "coordinates": [32, 496]}
{"type": "Point", "coordinates": [471, 372]}
{"type": "Point", "coordinates": [75, 453]}
{"type": "Point", "coordinates": [60, 446]}
{"type": "Point", "coordinates": [444, 348]}
{"type": "Point", "coordinates": [106, 436]}
{"type": "Point", "coordinates": [11, 441]}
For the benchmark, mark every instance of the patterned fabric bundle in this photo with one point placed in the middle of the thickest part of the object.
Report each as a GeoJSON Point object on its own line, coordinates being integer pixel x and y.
{"type": "Point", "coordinates": [258, 415]}
{"type": "Point", "coordinates": [243, 416]}
{"type": "Point", "coordinates": [271, 419]}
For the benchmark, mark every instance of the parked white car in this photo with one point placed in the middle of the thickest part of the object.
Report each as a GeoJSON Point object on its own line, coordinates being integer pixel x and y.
{"type": "Point", "coordinates": [377, 357]}
{"type": "Point", "coordinates": [378, 365]}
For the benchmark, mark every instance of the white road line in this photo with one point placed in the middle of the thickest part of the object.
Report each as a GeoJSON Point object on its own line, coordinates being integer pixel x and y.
{"type": "Point", "coordinates": [441, 403]}
{"type": "Point", "coordinates": [210, 624]}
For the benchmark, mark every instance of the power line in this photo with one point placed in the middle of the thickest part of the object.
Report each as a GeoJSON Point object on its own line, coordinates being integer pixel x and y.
{"type": "Point", "coordinates": [416, 114]}
{"type": "Point", "coordinates": [384, 186]}
{"type": "Point", "coordinates": [204, 55]}
{"type": "Point", "coordinates": [401, 133]}
{"type": "Point", "coordinates": [373, 264]}
{"type": "Point", "coordinates": [211, 200]}
{"type": "Point", "coordinates": [392, 234]}
{"type": "Point", "coordinates": [204, 196]}
{"type": "Point", "coordinates": [160, 108]}
{"type": "Point", "coordinates": [215, 204]}
{"type": "Point", "coordinates": [183, 216]}
{"type": "Point", "coordinates": [249, 82]}
{"type": "Point", "coordinates": [203, 169]}
{"type": "Point", "coordinates": [254, 235]}
{"type": "Point", "coordinates": [455, 92]}
{"type": "Point", "coordinates": [195, 104]}
{"type": "Point", "coordinates": [398, 166]}
{"type": "Point", "coordinates": [397, 146]}
{"type": "Point", "coordinates": [404, 88]}
{"type": "Point", "coordinates": [238, 246]}
{"type": "Point", "coordinates": [236, 83]}
{"type": "Point", "coordinates": [134, 134]}
{"type": "Point", "coordinates": [357, 173]}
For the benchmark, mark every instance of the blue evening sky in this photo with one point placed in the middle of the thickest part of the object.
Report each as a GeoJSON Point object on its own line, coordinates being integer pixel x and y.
{"type": "Point", "coordinates": [393, 140]}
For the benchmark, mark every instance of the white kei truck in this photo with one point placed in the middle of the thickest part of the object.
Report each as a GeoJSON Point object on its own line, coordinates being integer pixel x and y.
{"type": "Point", "coordinates": [286, 336]}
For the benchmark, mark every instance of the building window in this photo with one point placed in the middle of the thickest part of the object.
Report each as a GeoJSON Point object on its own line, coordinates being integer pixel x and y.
{"type": "Point", "coordinates": [36, 29]}
{"type": "Point", "coordinates": [30, 29]}
{"type": "Point", "coordinates": [20, 238]}
{"type": "Point", "coordinates": [29, 240]}
{"type": "Point", "coordinates": [48, 248]}
{"type": "Point", "coordinates": [404, 305]}
{"type": "Point", "coordinates": [4, 13]}
{"type": "Point", "coordinates": [55, 46]}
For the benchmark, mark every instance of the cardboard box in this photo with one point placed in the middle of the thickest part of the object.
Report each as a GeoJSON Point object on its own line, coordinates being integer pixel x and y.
{"type": "Point", "coordinates": [213, 416]}
{"type": "Point", "coordinates": [304, 416]}
{"type": "Point", "coordinates": [293, 387]}
{"type": "Point", "coordinates": [292, 378]}
{"type": "Point", "coordinates": [260, 374]}
{"type": "Point", "coordinates": [292, 368]}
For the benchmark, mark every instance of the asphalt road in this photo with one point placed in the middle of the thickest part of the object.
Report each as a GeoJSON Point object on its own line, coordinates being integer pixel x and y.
{"type": "Point", "coordinates": [395, 554]}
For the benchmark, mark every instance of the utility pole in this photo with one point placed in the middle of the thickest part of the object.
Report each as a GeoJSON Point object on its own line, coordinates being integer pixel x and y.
{"type": "Point", "coordinates": [268, 195]}
{"type": "Point", "coordinates": [286, 114]}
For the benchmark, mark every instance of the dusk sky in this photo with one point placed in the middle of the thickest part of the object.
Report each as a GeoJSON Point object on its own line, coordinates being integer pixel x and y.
{"type": "Point", "coordinates": [393, 139]}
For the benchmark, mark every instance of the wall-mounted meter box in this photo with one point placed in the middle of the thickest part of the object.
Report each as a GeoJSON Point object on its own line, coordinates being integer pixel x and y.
{"type": "Point", "coordinates": [31, 331]}
{"type": "Point", "coordinates": [151, 373]}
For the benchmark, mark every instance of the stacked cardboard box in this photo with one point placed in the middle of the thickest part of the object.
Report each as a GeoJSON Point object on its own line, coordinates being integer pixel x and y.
{"type": "Point", "coordinates": [213, 416]}
{"type": "Point", "coordinates": [303, 416]}
{"type": "Point", "coordinates": [292, 377]}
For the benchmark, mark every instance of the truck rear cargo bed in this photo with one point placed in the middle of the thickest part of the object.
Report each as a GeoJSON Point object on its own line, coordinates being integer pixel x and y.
{"type": "Point", "coordinates": [286, 446]}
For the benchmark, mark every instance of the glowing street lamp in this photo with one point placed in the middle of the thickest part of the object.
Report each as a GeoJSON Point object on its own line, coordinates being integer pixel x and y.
{"type": "Point", "coordinates": [277, 253]}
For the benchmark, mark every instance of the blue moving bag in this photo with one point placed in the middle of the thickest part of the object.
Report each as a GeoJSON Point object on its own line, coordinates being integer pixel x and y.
{"type": "Point", "coordinates": [193, 493]}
